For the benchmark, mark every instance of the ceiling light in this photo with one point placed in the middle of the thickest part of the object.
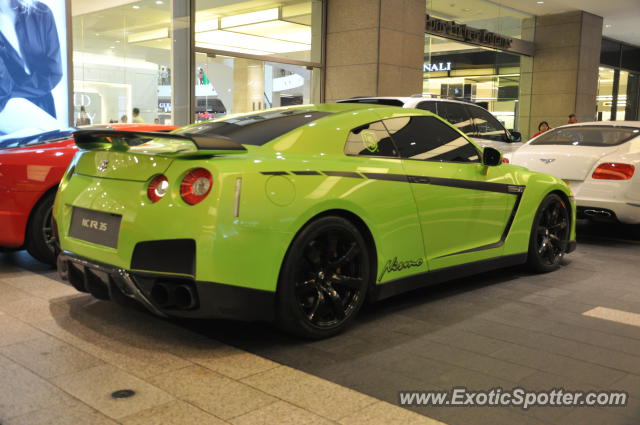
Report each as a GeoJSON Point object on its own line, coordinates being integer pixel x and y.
{"type": "Point", "coordinates": [148, 35]}
{"type": "Point", "coordinates": [112, 47]}
{"type": "Point", "coordinates": [539, 2]}
{"type": "Point", "coordinates": [250, 18]}
{"type": "Point", "coordinates": [159, 2]}
{"type": "Point", "coordinates": [135, 6]}
{"type": "Point", "coordinates": [608, 26]}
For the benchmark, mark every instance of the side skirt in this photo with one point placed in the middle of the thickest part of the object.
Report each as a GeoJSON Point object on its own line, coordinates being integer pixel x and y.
{"type": "Point", "coordinates": [409, 283]}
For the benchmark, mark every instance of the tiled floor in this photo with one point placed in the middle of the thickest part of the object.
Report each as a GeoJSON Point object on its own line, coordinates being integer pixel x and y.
{"type": "Point", "coordinates": [62, 354]}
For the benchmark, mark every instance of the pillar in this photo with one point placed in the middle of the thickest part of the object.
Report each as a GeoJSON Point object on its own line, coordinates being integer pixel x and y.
{"type": "Point", "coordinates": [374, 48]}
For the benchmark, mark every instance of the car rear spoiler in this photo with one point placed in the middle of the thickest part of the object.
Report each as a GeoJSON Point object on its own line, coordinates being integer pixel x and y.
{"type": "Point", "coordinates": [154, 143]}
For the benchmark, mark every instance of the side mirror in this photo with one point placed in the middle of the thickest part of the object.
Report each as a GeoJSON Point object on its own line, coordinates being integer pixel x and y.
{"type": "Point", "coordinates": [516, 136]}
{"type": "Point", "coordinates": [491, 156]}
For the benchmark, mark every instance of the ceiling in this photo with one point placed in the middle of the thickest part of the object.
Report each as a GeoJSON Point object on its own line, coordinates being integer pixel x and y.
{"type": "Point", "coordinates": [621, 17]}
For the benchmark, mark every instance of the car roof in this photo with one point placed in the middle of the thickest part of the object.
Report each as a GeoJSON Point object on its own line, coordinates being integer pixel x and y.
{"type": "Point", "coordinates": [602, 124]}
{"type": "Point", "coordinates": [408, 99]}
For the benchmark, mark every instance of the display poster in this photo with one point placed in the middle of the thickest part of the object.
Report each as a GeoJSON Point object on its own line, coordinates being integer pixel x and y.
{"type": "Point", "coordinates": [34, 92]}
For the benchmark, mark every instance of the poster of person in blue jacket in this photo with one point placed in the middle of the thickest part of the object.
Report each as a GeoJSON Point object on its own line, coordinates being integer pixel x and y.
{"type": "Point", "coordinates": [33, 67]}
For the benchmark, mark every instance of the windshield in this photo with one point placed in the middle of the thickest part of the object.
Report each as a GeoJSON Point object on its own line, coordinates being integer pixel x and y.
{"type": "Point", "coordinates": [255, 129]}
{"type": "Point", "coordinates": [596, 135]}
{"type": "Point", "coordinates": [8, 142]}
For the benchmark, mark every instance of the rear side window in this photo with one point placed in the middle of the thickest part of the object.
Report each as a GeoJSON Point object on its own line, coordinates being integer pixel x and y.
{"type": "Point", "coordinates": [457, 116]}
{"type": "Point", "coordinates": [255, 129]}
{"type": "Point", "coordinates": [386, 102]}
{"type": "Point", "coordinates": [428, 106]}
{"type": "Point", "coordinates": [587, 136]}
{"type": "Point", "coordinates": [370, 140]}
{"type": "Point", "coordinates": [487, 126]}
{"type": "Point", "coordinates": [429, 139]}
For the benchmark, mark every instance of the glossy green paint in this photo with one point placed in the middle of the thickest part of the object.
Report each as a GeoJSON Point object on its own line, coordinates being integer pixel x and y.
{"type": "Point", "coordinates": [419, 224]}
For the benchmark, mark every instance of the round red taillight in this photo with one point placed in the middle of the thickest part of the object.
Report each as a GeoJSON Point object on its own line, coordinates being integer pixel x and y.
{"type": "Point", "coordinates": [196, 185]}
{"type": "Point", "coordinates": [158, 187]}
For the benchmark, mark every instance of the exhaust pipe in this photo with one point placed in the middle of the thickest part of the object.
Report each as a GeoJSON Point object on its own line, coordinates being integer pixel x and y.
{"type": "Point", "coordinates": [161, 295]}
{"type": "Point", "coordinates": [597, 213]}
{"type": "Point", "coordinates": [185, 297]}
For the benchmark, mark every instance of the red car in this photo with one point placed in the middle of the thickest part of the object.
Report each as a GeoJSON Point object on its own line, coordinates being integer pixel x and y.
{"type": "Point", "coordinates": [30, 170]}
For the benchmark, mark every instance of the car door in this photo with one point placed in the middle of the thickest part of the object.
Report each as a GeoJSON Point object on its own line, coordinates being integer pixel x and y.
{"type": "Point", "coordinates": [464, 207]}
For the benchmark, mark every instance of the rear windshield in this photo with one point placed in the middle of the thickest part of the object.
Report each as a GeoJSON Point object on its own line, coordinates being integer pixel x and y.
{"type": "Point", "coordinates": [256, 129]}
{"type": "Point", "coordinates": [587, 136]}
{"type": "Point", "coordinates": [8, 142]}
{"type": "Point", "coordinates": [386, 102]}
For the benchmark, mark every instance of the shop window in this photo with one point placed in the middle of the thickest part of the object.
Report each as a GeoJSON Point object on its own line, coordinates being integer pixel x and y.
{"type": "Point", "coordinates": [122, 61]}
{"type": "Point", "coordinates": [370, 140]}
{"type": "Point", "coordinates": [429, 139]}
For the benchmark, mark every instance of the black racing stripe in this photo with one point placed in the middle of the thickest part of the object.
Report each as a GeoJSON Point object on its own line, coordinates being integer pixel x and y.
{"type": "Point", "coordinates": [388, 177]}
{"type": "Point", "coordinates": [306, 173]}
{"type": "Point", "coordinates": [274, 173]}
{"type": "Point", "coordinates": [463, 184]}
{"type": "Point", "coordinates": [342, 174]}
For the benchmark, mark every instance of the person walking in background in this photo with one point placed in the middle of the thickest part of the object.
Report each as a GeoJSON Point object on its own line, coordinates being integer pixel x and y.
{"type": "Point", "coordinates": [542, 127]}
{"type": "Point", "coordinates": [83, 119]}
{"type": "Point", "coordinates": [136, 118]}
{"type": "Point", "coordinates": [572, 119]}
{"type": "Point", "coordinates": [30, 66]}
{"type": "Point", "coordinates": [124, 119]}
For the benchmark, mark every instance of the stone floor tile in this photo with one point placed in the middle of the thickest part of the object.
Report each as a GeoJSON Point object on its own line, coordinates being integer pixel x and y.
{"type": "Point", "coordinates": [280, 413]}
{"type": "Point", "coordinates": [22, 391]}
{"type": "Point", "coordinates": [49, 357]}
{"type": "Point", "coordinates": [94, 387]}
{"type": "Point", "coordinates": [317, 395]}
{"type": "Point", "coordinates": [68, 412]}
{"type": "Point", "coordinates": [226, 360]}
{"type": "Point", "coordinates": [13, 331]}
{"type": "Point", "coordinates": [382, 413]}
{"type": "Point", "coordinates": [32, 309]}
{"type": "Point", "coordinates": [212, 392]}
{"type": "Point", "coordinates": [175, 412]}
{"type": "Point", "coordinates": [41, 286]}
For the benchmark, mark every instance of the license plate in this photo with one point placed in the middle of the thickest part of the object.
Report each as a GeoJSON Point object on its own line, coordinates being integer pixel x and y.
{"type": "Point", "coordinates": [95, 226]}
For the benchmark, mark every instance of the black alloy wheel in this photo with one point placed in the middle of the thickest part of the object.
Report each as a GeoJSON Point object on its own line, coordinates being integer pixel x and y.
{"type": "Point", "coordinates": [549, 234]}
{"type": "Point", "coordinates": [41, 241]}
{"type": "Point", "coordinates": [324, 278]}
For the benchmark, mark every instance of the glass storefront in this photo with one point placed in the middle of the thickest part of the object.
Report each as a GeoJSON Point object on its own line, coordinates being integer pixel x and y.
{"type": "Point", "coordinates": [618, 96]}
{"type": "Point", "coordinates": [486, 76]}
{"type": "Point", "coordinates": [248, 55]}
{"type": "Point", "coordinates": [120, 56]}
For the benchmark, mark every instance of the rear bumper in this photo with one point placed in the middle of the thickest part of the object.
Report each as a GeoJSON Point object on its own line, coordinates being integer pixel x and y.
{"type": "Point", "coordinates": [207, 299]}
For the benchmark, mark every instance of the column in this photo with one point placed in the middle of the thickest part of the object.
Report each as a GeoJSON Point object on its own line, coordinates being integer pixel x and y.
{"type": "Point", "coordinates": [182, 74]}
{"type": "Point", "coordinates": [564, 70]}
{"type": "Point", "coordinates": [374, 48]}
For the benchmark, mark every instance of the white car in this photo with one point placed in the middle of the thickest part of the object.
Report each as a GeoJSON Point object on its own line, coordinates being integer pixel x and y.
{"type": "Point", "coordinates": [599, 160]}
{"type": "Point", "coordinates": [473, 120]}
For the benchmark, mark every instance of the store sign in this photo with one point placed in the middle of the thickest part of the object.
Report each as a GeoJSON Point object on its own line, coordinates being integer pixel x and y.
{"type": "Point", "coordinates": [437, 66]}
{"type": "Point", "coordinates": [461, 32]}
{"type": "Point", "coordinates": [34, 86]}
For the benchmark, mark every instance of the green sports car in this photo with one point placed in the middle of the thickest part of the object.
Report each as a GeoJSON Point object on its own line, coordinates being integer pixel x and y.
{"type": "Point", "coordinates": [298, 214]}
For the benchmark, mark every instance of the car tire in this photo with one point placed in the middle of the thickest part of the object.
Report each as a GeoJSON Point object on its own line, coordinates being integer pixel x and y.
{"type": "Point", "coordinates": [549, 235]}
{"type": "Point", "coordinates": [40, 240]}
{"type": "Point", "coordinates": [324, 278]}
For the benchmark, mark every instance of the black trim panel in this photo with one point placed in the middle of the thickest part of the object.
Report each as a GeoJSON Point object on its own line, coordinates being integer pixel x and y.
{"type": "Point", "coordinates": [165, 256]}
{"type": "Point", "coordinates": [342, 174]}
{"type": "Point", "coordinates": [307, 173]}
{"type": "Point", "coordinates": [388, 177]}
{"type": "Point", "coordinates": [274, 173]}
{"type": "Point", "coordinates": [409, 283]}
{"type": "Point", "coordinates": [467, 184]}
